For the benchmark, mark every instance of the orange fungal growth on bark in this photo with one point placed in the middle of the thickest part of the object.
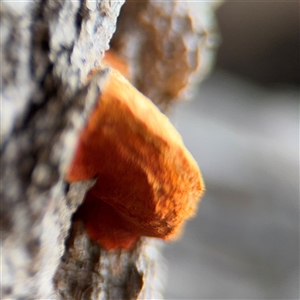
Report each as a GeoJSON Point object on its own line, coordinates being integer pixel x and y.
{"type": "Point", "coordinates": [148, 183]}
{"type": "Point", "coordinates": [113, 60]}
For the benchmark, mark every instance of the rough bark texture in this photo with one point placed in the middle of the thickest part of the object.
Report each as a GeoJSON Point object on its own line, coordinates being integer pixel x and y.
{"type": "Point", "coordinates": [89, 272]}
{"type": "Point", "coordinates": [47, 50]}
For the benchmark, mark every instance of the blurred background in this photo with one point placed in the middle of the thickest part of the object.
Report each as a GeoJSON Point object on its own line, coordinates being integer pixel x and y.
{"type": "Point", "coordinates": [243, 129]}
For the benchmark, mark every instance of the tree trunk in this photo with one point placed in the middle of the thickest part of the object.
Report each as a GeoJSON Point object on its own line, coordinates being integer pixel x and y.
{"type": "Point", "coordinates": [47, 51]}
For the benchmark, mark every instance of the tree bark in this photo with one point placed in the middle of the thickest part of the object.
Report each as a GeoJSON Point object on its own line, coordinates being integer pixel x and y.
{"type": "Point", "coordinates": [47, 51]}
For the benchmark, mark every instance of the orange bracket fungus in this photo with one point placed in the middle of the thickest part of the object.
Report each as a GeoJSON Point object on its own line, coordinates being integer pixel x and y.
{"type": "Point", "coordinates": [147, 183]}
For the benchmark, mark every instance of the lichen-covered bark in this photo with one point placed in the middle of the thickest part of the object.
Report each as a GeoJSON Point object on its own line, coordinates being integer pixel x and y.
{"type": "Point", "coordinates": [47, 51]}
